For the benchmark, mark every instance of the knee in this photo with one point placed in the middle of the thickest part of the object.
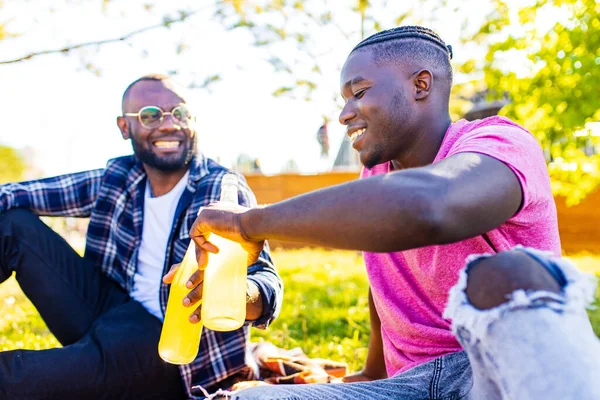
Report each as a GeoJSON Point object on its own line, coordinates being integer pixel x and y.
{"type": "Point", "coordinates": [491, 280]}
{"type": "Point", "coordinates": [13, 221]}
{"type": "Point", "coordinates": [16, 215]}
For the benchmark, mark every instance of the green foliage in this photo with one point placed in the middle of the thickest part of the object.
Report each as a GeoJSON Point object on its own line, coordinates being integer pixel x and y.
{"type": "Point", "coordinates": [325, 309]}
{"type": "Point", "coordinates": [574, 174]}
{"type": "Point", "coordinates": [206, 83]}
{"type": "Point", "coordinates": [4, 33]}
{"type": "Point", "coordinates": [12, 165]}
{"type": "Point", "coordinates": [362, 6]}
{"type": "Point", "coordinates": [553, 76]}
{"type": "Point", "coordinates": [303, 25]}
{"type": "Point", "coordinates": [591, 264]}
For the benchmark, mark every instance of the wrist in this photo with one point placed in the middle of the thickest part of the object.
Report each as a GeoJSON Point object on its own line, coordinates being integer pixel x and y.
{"type": "Point", "coordinates": [249, 225]}
{"type": "Point", "coordinates": [374, 373]}
{"type": "Point", "coordinates": [254, 302]}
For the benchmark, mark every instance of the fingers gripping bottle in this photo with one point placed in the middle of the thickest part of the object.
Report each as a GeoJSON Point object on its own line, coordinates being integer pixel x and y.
{"type": "Point", "coordinates": [226, 277]}
{"type": "Point", "coordinates": [224, 287]}
{"type": "Point", "coordinates": [179, 338]}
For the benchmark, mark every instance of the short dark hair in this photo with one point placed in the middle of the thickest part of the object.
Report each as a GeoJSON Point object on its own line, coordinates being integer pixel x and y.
{"type": "Point", "coordinates": [149, 77]}
{"type": "Point", "coordinates": [420, 43]}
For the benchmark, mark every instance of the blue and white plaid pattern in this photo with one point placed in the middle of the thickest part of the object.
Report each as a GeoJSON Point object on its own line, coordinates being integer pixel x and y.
{"type": "Point", "coordinates": [113, 198]}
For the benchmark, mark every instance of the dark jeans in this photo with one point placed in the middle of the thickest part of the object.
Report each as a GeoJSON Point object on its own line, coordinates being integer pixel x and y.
{"type": "Point", "coordinates": [110, 341]}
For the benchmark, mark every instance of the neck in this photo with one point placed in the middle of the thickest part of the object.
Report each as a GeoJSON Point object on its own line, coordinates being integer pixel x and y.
{"type": "Point", "coordinates": [162, 182]}
{"type": "Point", "coordinates": [426, 145]}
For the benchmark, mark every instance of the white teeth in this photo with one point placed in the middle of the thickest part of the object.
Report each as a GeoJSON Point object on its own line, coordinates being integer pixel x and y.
{"type": "Point", "coordinates": [164, 144]}
{"type": "Point", "coordinates": [357, 133]}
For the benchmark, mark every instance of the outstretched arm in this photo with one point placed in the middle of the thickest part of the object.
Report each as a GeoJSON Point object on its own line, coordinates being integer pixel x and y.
{"type": "Point", "coordinates": [71, 195]}
{"type": "Point", "coordinates": [462, 196]}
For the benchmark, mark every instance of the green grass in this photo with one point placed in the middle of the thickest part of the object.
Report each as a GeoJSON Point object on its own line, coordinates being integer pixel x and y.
{"type": "Point", "coordinates": [325, 310]}
{"type": "Point", "coordinates": [591, 263]}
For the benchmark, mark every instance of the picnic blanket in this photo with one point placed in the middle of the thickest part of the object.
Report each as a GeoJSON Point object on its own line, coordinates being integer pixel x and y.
{"type": "Point", "coordinates": [284, 367]}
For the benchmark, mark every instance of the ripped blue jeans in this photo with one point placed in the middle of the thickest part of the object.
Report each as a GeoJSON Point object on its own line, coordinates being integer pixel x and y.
{"type": "Point", "coordinates": [537, 345]}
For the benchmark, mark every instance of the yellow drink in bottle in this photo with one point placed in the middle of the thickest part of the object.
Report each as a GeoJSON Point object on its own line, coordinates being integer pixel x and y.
{"type": "Point", "coordinates": [179, 338]}
{"type": "Point", "coordinates": [224, 291]}
{"type": "Point", "coordinates": [224, 287]}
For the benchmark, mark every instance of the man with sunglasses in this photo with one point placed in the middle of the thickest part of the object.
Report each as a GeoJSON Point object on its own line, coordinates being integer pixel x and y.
{"type": "Point", "coordinates": [106, 308]}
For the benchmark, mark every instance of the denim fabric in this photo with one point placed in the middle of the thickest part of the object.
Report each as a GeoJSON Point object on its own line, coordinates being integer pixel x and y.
{"type": "Point", "coordinates": [109, 342]}
{"type": "Point", "coordinates": [537, 345]}
{"type": "Point", "coordinates": [113, 198]}
{"type": "Point", "coordinates": [445, 378]}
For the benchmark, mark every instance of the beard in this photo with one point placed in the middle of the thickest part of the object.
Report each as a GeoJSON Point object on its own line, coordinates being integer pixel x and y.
{"type": "Point", "coordinates": [168, 163]}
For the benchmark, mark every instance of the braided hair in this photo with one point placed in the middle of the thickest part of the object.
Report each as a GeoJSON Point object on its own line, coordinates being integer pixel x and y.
{"type": "Point", "coordinates": [406, 32]}
{"type": "Point", "coordinates": [413, 42]}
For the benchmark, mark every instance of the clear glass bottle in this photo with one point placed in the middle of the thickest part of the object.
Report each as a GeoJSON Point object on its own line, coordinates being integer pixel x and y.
{"type": "Point", "coordinates": [224, 287]}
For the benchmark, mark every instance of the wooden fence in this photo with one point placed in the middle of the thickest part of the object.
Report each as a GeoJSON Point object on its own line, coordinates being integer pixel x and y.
{"type": "Point", "coordinates": [579, 225]}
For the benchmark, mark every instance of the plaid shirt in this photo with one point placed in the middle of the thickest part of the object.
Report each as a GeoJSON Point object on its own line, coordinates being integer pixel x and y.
{"type": "Point", "coordinates": [113, 198]}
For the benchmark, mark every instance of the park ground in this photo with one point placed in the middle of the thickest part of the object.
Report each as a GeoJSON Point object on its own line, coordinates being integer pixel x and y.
{"type": "Point", "coordinates": [325, 310]}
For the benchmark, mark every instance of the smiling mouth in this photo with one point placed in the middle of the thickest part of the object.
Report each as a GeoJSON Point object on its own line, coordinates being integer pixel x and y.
{"type": "Point", "coordinates": [167, 144]}
{"type": "Point", "coordinates": [357, 133]}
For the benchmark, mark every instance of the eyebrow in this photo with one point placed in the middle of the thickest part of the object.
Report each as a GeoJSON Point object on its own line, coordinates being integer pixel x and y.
{"type": "Point", "coordinates": [354, 81]}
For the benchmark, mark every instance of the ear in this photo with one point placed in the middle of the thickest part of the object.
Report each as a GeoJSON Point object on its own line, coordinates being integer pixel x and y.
{"type": "Point", "coordinates": [123, 125]}
{"type": "Point", "coordinates": [423, 82]}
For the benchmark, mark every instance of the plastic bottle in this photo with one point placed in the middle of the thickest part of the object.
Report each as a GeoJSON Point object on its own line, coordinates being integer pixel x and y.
{"type": "Point", "coordinates": [224, 287]}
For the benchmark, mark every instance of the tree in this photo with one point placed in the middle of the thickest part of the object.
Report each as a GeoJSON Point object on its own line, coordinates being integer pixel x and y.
{"type": "Point", "coordinates": [555, 93]}
{"type": "Point", "coordinates": [291, 33]}
{"type": "Point", "coordinates": [12, 165]}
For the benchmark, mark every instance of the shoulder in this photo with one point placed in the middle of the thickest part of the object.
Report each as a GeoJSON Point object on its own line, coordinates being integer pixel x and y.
{"type": "Point", "coordinates": [121, 165]}
{"type": "Point", "coordinates": [489, 134]}
{"type": "Point", "coordinates": [122, 171]}
{"type": "Point", "coordinates": [490, 127]}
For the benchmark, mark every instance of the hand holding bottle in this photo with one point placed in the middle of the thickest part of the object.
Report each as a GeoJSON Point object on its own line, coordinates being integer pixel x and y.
{"type": "Point", "coordinates": [223, 296]}
{"type": "Point", "coordinates": [194, 283]}
{"type": "Point", "coordinates": [223, 219]}
{"type": "Point", "coordinates": [196, 280]}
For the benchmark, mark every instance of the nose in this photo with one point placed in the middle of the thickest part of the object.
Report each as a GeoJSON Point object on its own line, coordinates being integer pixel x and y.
{"type": "Point", "coordinates": [168, 124]}
{"type": "Point", "coordinates": [347, 114]}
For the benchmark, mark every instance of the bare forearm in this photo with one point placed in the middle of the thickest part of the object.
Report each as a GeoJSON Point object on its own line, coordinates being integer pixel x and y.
{"type": "Point", "coordinates": [355, 215]}
{"type": "Point", "coordinates": [458, 198]}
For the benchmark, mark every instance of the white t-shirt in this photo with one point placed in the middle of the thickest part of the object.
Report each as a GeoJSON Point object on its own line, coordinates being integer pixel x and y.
{"type": "Point", "coordinates": [158, 221]}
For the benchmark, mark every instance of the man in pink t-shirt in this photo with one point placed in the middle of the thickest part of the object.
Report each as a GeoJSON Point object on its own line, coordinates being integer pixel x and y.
{"type": "Point", "coordinates": [446, 323]}
{"type": "Point", "coordinates": [410, 288]}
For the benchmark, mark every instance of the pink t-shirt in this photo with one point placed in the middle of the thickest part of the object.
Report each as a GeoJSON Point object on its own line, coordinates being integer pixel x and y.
{"type": "Point", "coordinates": [410, 288]}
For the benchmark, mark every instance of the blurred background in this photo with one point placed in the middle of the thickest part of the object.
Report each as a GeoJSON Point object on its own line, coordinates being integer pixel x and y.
{"type": "Point", "coordinates": [263, 80]}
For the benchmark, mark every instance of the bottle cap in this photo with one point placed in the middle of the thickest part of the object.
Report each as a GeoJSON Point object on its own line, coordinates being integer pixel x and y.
{"type": "Point", "coordinates": [230, 179]}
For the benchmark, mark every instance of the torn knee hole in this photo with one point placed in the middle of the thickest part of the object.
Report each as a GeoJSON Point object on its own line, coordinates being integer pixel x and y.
{"type": "Point", "coordinates": [490, 281]}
